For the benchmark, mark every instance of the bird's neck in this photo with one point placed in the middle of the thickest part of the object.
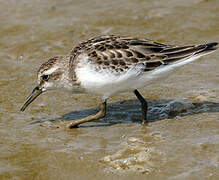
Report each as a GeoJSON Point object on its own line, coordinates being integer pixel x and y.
{"type": "Point", "coordinates": [69, 81]}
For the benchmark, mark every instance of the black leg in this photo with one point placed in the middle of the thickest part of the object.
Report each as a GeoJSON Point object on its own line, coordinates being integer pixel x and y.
{"type": "Point", "coordinates": [144, 106]}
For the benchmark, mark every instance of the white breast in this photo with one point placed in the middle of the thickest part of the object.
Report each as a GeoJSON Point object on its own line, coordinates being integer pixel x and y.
{"type": "Point", "coordinates": [105, 82]}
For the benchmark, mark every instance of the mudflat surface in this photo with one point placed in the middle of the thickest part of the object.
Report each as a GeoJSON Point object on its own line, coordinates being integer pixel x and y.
{"type": "Point", "coordinates": [182, 138]}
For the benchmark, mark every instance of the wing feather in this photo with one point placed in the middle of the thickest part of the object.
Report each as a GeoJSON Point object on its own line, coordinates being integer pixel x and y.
{"type": "Point", "coordinates": [120, 54]}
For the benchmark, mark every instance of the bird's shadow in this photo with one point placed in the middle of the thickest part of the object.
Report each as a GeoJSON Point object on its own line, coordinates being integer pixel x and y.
{"type": "Point", "coordinates": [129, 111]}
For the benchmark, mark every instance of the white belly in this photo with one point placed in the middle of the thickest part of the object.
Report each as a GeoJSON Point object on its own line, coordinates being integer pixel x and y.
{"type": "Point", "coordinates": [106, 83]}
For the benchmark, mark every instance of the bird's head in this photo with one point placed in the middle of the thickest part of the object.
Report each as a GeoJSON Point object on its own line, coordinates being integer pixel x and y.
{"type": "Point", "coordinates": [51, 75]}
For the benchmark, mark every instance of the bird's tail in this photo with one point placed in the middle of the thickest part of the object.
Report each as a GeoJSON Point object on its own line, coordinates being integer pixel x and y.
{"type": "Point", "coordinates": [206, 48]}
{"type": "Point", "coordinates": [178, 54]}
{"type": "Point", "coordinates": [176, 57]}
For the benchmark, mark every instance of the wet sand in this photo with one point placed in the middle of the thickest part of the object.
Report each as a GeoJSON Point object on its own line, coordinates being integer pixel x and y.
{"type": "Point", "coordinates": [180, 142]}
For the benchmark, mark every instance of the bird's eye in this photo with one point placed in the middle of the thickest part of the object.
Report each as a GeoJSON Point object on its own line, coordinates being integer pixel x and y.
{"type": "Point", "coordinates": [45, 77]}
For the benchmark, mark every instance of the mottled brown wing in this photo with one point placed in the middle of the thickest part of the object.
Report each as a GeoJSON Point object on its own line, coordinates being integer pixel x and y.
{"type": "Point", "coordinates": [121, 53]}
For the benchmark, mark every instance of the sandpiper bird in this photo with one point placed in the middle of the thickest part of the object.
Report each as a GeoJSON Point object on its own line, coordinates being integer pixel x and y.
{"type": "Point", "coordinates": [106, 65]}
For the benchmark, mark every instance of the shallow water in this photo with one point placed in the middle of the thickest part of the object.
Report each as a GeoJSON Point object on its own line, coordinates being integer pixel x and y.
{"type": "Point", "coordinates": [182, 138]}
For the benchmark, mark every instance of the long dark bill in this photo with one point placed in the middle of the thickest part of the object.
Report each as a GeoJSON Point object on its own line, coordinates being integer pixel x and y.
{"type": "Point", "coordinates": [35, 93]}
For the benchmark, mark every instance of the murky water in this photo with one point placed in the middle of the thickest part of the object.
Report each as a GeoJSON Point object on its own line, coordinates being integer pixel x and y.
{"type": "Point", "coordinates": [182, 139]}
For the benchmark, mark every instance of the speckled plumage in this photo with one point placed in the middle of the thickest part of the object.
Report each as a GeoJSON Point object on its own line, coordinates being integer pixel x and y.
{"type": "Point", "coordinates": [119, 53]}
{"type": "Point", "coordinates": [106, 65]}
